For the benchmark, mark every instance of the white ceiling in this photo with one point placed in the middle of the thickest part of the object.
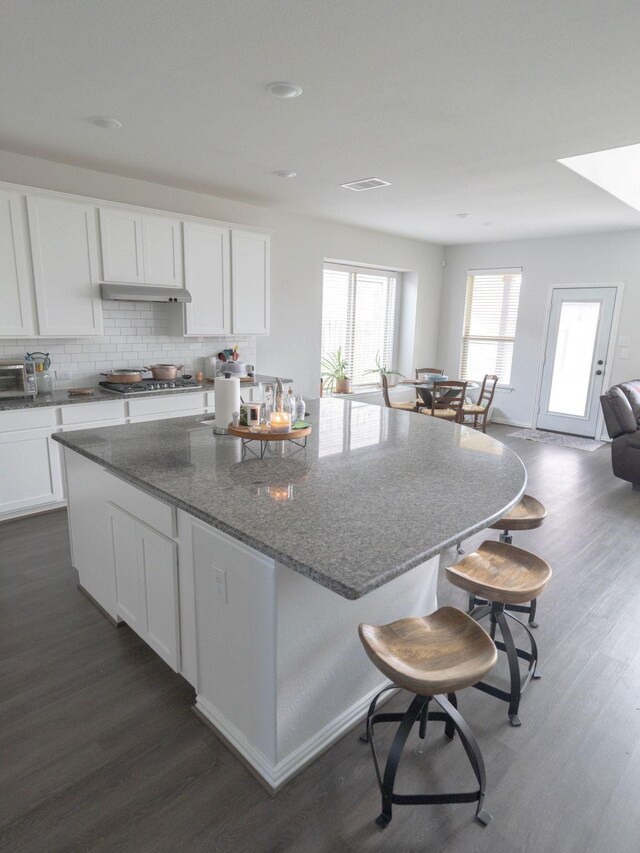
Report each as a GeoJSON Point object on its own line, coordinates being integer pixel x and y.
{"type": "Point", "coordinates": [464, 105]}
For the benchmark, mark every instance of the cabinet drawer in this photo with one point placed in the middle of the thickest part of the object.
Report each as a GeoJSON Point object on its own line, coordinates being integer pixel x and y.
{"type": "Point", "coordinates": [20, 419]}
{"type": "Point", "coordinates": [91, 425]}
{"type": "Point", "coordinates": [85, 413]}
{"type": "Point", "coordinates": [183, 402]}
{"type": "Point", "coordinates": [146, 508]}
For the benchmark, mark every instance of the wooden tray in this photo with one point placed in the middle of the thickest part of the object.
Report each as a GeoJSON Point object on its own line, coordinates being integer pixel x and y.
{"type": "Point", "coordinates": [264, 435]}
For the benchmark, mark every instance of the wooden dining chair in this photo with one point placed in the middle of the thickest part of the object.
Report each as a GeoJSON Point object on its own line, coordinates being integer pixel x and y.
{"type": "Point", "coordinates": [478, 412]}
{"type": "Point", "coordinates": [409, 407]}
{"type": "Point", "coordinates": [447, 399]}
{"type": "Point", "coordinates": [422, 370]}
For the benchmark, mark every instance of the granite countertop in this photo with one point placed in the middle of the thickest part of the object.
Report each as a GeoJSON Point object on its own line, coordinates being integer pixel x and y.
{"type": "Point", "coordinates": [62, 398]}
{"type": "Point", "coordinates": [376, 491]}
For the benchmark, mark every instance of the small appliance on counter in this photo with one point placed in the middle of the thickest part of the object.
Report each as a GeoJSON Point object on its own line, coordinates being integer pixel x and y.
{"type": "Point", "coordinates": [17, 378]}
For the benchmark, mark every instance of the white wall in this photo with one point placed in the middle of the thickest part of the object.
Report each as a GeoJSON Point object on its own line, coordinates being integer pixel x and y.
{"type": "Point", "coordinates": [592, 259]}
{"type": "Point", "coordinates": [299, 245]}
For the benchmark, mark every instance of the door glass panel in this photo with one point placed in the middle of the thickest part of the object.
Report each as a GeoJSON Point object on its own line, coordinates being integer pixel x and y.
{"type": "Point", "coordinates": [572, 365]}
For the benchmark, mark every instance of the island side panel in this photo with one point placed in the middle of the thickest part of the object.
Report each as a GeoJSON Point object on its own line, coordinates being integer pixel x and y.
{"type": "Point", "coordinates": [325, 679]}
{"type": "Point", "coordinates": [88, 512]}
{"type": "Point", "coordinates": [234, 588]}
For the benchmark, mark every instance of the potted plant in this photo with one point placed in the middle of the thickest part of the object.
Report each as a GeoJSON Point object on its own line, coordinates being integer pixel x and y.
{"type": "Point", "coordinates": [334, 373]}
{"type": "Point", "coordinates": [382, 369]}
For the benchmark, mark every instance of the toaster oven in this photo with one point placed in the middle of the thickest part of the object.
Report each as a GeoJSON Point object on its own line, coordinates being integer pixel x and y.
{"type": "Point", "coordinates": [17, 378]}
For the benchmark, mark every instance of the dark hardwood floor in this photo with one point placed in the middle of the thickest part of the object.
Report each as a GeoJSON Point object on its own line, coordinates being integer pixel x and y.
{"type": "Point", "coordinates": [99, 749]}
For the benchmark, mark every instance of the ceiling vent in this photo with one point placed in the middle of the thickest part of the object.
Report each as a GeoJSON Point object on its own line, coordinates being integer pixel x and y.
{"type": "Point", "coordinates": [367, 184]}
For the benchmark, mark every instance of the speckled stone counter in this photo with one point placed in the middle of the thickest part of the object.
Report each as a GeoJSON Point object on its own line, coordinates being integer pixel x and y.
{"type": "Point", "coordinates": [62, 398]}
{"type": "Point", "coordinates": [375, 493]}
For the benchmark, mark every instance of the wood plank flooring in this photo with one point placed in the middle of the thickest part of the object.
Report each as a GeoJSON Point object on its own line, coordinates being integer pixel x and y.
{"type": "Point", "coordinates": [99, 750]}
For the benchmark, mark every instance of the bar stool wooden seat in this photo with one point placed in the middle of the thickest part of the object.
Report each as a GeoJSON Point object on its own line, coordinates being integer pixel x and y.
{"type": "Point", "coordinates": [527, 514]}
{"type": "Point", "coordinates": [428, 656]}
{"type": "Point", "coordinates": [504, 575]}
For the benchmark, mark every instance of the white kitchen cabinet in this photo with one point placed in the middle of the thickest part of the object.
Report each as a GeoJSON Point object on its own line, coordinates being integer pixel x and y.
{"type": "Point", "coordinates": [146, 572]}
{"type": "Point", "coordinates": [140, 248]}
{"type": "Point", "coordinates": [250, 282]}
{"type": "Point", "coordinates": [207, 278]}
{"type": "Point", "coordinates": [17, 314]}
{"type": "Point", "coordinates": [31, 471]}
{"type": "Point", "coordinates": [121, 242]}
{"type": "Point", "coordinates": [64, 248]}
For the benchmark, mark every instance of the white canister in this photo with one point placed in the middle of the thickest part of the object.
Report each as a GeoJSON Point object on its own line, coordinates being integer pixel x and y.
{"type": "Point", "coordinates": [210, 366]}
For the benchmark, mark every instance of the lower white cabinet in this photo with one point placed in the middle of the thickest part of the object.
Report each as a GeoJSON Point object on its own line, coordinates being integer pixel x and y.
{"type": "Point", "coordinates": [31, 471]}
{"type": "Point", "coordinates": [146, 571]}
{"type": "Point", "coordinates": [30, 466]}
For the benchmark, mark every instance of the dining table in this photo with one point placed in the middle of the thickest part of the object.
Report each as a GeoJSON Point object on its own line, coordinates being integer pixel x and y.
{"type": "Point", "coordinates": [423, 388]}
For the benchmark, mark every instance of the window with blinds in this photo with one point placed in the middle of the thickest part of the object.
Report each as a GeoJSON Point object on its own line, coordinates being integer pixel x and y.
{"type": "Point", "coordinates": [490, 317]}
{"type": "Point", "coordinates": [358, 315]}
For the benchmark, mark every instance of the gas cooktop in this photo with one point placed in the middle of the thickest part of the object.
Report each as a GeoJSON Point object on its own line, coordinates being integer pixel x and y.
{"type": "Point", "coordinates": [148, 385]}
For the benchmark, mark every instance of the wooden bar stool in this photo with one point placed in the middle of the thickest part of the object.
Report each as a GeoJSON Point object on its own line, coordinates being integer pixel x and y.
{"type": "Point", "coordinates": [428, 656]}
{"type": "Point", "coordinates": [504, 575]}
{"type": "Point", "coordinates": [527, 514]}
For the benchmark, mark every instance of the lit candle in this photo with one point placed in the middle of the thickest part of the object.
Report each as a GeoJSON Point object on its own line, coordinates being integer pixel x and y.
{"type": "Point", "coordinates": [280, 421]}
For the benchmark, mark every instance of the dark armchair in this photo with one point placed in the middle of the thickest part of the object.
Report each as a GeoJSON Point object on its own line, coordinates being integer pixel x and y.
{"type": "Point", "coordinates": [621, 407]}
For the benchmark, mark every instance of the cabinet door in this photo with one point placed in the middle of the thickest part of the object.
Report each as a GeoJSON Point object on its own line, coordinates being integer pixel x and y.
{"type": "Point", "coordinates": [64, 246]}
{"type": "Point", "coordinates": [122, 528]}
{"type": "Point", "coordinates": [16, 281]}
{"type": "Point", "coordinates": [250, 264]}
{"type": "Point", "coordinates": [30, 466]}
{"type": "Point", "coordinates": [121, 241]}
{"type": "Point", "coordinates": [207, 278]}
{"type": "Point", "coordinates": [162, 247]}
{"type": "Point", "coordinates": [158, 572]}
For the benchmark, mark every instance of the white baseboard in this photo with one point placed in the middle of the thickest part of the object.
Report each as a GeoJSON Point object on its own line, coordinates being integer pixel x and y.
{"type": "Point", "coordinates": [522, 424]}
{"type": "Point", "coordinates": [276, 775]}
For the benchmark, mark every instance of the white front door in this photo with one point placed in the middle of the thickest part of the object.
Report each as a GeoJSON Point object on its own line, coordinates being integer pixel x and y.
{"type": "Point", "coordinates": [575, 355]}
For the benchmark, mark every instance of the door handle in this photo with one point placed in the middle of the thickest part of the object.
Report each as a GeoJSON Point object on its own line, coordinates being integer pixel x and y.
{"type": "Point", "coordinates": [598, 373]}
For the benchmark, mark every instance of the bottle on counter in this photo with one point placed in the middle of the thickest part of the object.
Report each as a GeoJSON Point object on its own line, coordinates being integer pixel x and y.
{"type": "Point", "coordinates": [290, 403]}
{"type": "Point", "coordinates": [300, 408]}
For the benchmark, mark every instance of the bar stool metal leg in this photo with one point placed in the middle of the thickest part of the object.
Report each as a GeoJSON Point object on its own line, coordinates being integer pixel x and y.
{"type": "Point", "coordinates": [454, 722]}
{"type": "Point", "coordinates": [497, 613]}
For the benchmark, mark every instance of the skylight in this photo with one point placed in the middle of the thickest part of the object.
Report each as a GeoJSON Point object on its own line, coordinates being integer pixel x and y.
{"type": "Point", "coordinates": [617, 171]}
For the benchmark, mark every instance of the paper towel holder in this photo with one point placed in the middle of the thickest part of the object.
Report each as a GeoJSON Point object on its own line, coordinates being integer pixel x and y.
{"type": "Point", "coordinates": [216, 429]}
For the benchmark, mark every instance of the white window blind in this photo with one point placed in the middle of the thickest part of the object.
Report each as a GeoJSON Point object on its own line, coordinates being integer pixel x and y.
{"type": "Point", "coordinates": [358, 315]}
{"type": "Point", "coordinates": [490, 317]}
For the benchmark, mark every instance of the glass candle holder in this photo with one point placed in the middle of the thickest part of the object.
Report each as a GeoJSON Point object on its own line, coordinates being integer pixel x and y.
{"type": "Point", "coordinates": [280, 421]}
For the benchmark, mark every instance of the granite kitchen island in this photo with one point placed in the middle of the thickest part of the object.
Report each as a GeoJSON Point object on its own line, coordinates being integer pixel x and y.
{"type": "Point", "coordinates": [250, 576]}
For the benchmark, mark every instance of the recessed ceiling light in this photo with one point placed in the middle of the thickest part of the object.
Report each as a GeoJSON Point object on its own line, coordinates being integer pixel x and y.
{"type": "Point", "coordinates": [461, 215]}
{"type": "Point", "coordinates": [366, 184]}
{"type": "Point", "coordinates": [282, 89]}
{"type": "Point", "coordinates": [284, 173]}
{"type": "Point", "coordinates": [106, 122]}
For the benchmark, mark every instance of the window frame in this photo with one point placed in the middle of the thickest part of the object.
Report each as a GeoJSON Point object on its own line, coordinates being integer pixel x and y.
{"type": "Point", "coordinates": [391, 333]}
{"type": "Point", "coordinates": [471, 274]}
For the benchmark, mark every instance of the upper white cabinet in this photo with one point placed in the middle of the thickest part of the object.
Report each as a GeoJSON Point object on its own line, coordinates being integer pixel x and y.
{"type": "Point", "coordinates": [250, 276]}
{"type": "Point", "coordinates": [64, 248]}
{"type": "Point", "coordinates": [140, 248]}
{"type": "Point", "coordinates": [121, 241]}
{"type": "Point", "coordinates": [207, 278]}
{"type": "Point", "coordinates": [17, 317]}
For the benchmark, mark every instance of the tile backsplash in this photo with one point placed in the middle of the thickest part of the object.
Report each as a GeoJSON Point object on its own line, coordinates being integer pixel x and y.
{"type": "Point", "coordinates": [135, 334]}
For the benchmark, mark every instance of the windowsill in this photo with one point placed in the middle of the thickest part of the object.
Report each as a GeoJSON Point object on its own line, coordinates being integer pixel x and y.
{"type": "Point", "coordinates": [357, 392]}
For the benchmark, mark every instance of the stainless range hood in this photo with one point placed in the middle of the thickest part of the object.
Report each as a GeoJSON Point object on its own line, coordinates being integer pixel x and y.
{"type": "Point", "coordinates": [143, 293]}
